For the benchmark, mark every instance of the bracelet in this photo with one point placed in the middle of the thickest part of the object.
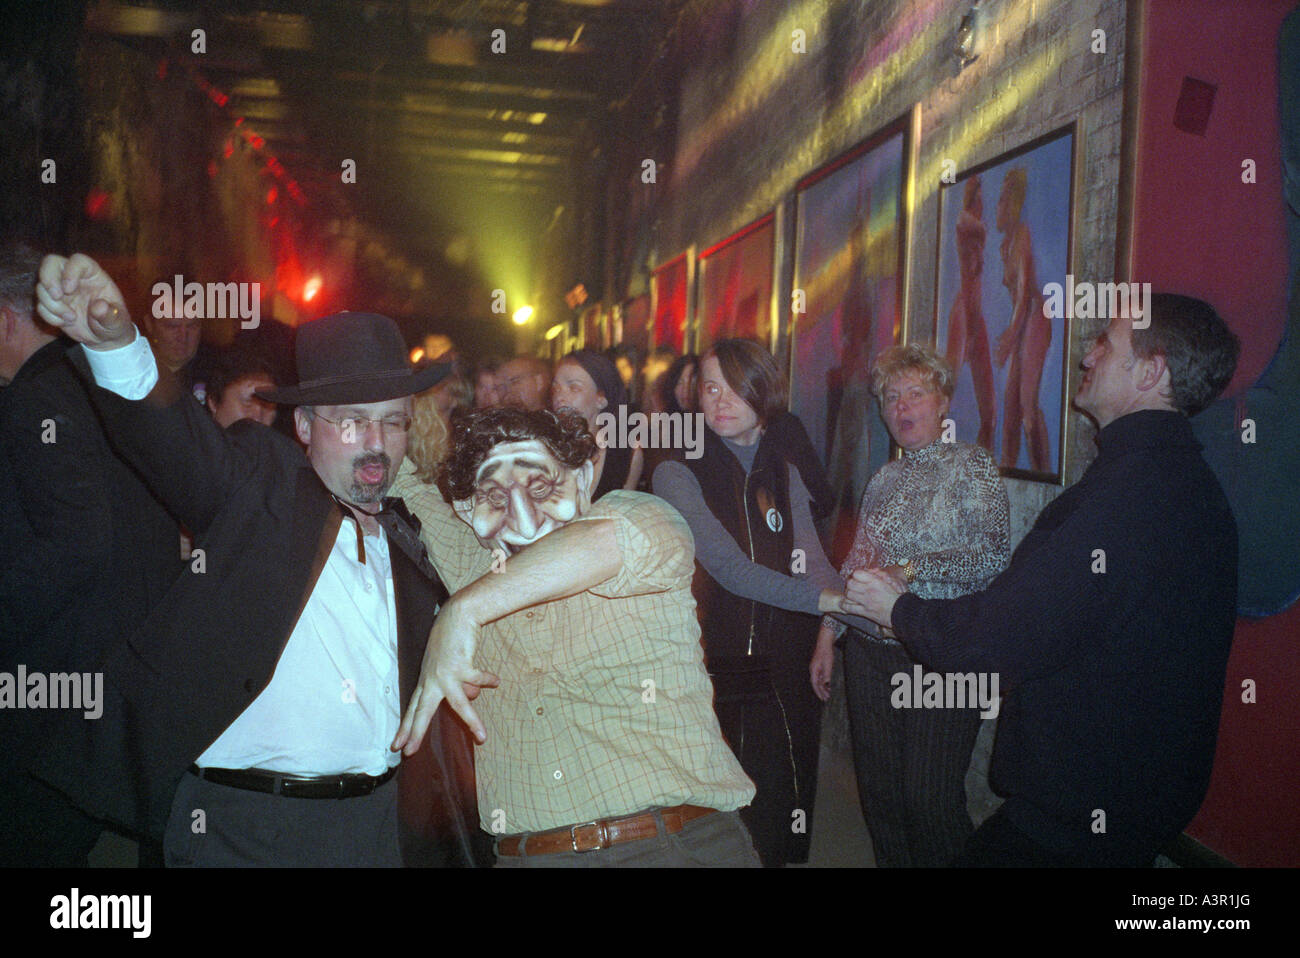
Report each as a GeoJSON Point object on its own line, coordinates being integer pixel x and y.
{"type": "Point", "coordinates": [909, 573]}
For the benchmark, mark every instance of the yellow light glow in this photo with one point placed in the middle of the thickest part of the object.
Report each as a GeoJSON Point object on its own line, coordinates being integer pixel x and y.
{"type": "Point", "coordinates": [417, 354]}
{"type": "Point", "coordinates": [310, 290]}
{"type": "Point", "coordinates": [522, 315]}
{"type": "Point", "coordinates": [554, 331]}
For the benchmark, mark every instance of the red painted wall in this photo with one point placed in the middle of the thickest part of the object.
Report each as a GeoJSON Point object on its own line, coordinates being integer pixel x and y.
{"type": "Point", "coordinates": [1198, 229]}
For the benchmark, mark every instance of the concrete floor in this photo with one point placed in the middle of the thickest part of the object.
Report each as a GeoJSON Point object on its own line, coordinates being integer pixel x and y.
{"type": "Point", "coordinates": [839, 836]}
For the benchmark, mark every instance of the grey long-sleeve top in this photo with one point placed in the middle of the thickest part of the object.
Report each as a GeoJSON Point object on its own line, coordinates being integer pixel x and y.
{"type": "Point", "coordinates": [944, 508]}
{"type": "Point", "coordinates": [722, 556]}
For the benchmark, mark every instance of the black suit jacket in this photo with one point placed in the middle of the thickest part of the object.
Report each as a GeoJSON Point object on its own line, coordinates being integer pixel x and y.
{"type": "Point", "coordinates": [266, 525]}
{"type": "Point", "coordinates": [85, 550]}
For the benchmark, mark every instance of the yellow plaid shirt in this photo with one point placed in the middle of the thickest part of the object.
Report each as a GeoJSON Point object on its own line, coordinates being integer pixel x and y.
{"type": "Point", "coordinates": [605, 707]}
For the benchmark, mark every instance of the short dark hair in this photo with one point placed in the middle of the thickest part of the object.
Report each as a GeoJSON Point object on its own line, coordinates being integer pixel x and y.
{"type": "Point", "coordinates": [536, 365]}
{"type": "Point", "coordinates": [232, 365]}
{"type": "Point", "coordinates": [1199, 349]}
{"type": "Point", "coordinates": [667, 394]}
{"type": "Point", "coordinates": [753, 375]}
{"type": "Point", "coordinates": [475, 434]}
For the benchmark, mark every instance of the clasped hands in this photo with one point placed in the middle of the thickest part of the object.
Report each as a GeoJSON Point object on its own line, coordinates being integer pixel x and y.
{"type": "Point", "coordinates": [872, 593]}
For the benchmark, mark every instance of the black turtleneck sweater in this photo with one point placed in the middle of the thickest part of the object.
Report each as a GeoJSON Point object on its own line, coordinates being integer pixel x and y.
{"type": "Point", "coordinates": [1113, 680]}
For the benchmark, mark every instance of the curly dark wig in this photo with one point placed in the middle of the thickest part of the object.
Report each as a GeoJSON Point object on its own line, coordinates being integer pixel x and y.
{"type": "Point", "coordinates": [475, 434]}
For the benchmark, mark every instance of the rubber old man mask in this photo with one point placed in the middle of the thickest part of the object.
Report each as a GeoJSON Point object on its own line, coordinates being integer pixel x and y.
{"type": "Point", "coordinates": [521, 492]}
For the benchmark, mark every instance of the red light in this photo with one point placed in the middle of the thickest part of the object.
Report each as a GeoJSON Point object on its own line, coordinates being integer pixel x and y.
{"type": "Point", "coordinates": [271, 194]}
{"type": "Point", "coordinates": [229, 149]}
{"type": "Point", "coordinates": [99, 204]}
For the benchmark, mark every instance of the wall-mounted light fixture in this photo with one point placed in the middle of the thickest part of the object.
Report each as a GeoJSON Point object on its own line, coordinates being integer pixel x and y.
{"type": "Point", "coordinates": [968, 42]}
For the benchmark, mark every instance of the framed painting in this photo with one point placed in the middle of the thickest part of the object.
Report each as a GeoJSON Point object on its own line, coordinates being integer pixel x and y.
{"type": "Point", "coordinates": [847, 305]}
{"type": "Point", "coordinates": [670, 287]}
{"type": "Point", "coordinates": [736, 286]}
{"type": "Point", "coordinates": [1005, 232]}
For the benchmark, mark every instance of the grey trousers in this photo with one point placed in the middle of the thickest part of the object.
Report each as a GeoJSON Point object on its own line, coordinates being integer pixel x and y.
{"type": "Point", "coordinates": [911, 762]}
{"type": "Point", "coordinates": [714, 841]}
{"type": "Point", "coordinates": [218, 826]}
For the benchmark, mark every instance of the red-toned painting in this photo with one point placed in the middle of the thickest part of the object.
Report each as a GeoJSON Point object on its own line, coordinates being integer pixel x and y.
{"type": "Point", "coordinates": [736, 286]}
{"type": "Point", "coordinates": [670, 287]}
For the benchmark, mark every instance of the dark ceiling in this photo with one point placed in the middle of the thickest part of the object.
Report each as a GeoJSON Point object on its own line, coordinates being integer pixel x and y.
{"type": "Point", "coordinates": [451, 135]}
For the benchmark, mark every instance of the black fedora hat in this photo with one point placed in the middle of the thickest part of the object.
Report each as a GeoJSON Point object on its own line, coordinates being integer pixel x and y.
{"type": "Point", "coordinates": [353, 358]}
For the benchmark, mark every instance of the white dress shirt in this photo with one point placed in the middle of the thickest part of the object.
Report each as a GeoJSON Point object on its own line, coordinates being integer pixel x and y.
{"type": "Point", "coordinates": [333, 703]}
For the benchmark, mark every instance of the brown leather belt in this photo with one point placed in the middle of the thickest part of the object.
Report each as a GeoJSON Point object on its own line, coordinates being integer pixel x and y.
{"type": "Point", "coordinates": [591, 836]}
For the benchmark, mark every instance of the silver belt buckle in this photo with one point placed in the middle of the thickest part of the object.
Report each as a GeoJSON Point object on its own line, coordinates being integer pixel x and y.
{"type": "Point", "coordinates": [573, 837]}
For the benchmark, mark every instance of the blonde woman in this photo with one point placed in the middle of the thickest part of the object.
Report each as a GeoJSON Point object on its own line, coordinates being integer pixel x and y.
{"type": "Point", "coordinates": [937, 520]}
{"type": "Point", "coordinates": [426, 442]}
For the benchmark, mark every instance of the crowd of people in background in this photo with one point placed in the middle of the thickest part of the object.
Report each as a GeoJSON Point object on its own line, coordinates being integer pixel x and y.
{"type": "Point", "coordinates": [512, 448]}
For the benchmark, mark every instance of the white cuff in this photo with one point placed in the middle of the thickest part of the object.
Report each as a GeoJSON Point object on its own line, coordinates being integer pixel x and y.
{"type": "Point", "coordinates": [130, 370]}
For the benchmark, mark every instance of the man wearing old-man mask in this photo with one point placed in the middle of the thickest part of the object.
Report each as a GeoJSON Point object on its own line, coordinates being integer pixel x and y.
{"type": "Point", "coordinates": [598, 742]}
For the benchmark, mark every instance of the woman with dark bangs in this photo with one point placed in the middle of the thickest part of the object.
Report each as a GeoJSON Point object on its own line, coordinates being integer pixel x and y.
{"type": "Point", "coordinates": [587, 383]}
{"type": "Point", "coordinates": [761, 578]}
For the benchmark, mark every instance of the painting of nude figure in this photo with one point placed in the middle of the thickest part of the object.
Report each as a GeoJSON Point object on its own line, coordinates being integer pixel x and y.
{"type": "Point", "coordinates": [1004, 233]}
{"type": "Point", "coordinates": [850, 238]}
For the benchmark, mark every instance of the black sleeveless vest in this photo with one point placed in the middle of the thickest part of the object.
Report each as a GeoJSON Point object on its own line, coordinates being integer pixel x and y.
{"type": "Point", "coordinates": [755, 510]}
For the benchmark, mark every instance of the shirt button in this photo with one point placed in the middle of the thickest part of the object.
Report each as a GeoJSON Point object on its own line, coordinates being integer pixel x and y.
{"type": "Point", "coordinates": [370, 587]}
{"type": "Point", "coordinates": [539, 671]}
{"type": "Point", "coordinates": [388, 690]}
{"type": "Point", "coordinates": [558, 775]}
{"type": "Point", "coordinates": [528, 615]}
{"type": "Point", "coordinates": [539, 710]}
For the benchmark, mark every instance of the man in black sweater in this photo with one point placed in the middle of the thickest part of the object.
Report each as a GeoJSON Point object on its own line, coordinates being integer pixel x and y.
{"type": "Point", "coordinates": [1110, 630]}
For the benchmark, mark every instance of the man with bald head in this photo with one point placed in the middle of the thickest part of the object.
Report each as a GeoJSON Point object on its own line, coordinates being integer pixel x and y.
{"type": "Point", "coordinates": [599, 744]}
{"type": "Point", "coordinates": [524, 381]}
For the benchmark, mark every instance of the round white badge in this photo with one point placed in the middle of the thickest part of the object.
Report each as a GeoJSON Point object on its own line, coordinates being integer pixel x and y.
{"type": "Point", "coordinates": [774, 520]}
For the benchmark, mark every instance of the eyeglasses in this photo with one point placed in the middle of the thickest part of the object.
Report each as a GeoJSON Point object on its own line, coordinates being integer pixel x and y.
{"type": "Point", "coordinates": [357, 425]}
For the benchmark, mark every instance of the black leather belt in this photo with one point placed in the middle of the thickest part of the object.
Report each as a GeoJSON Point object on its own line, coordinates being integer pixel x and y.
{"type": "Point", "coordinates": [293, 786]}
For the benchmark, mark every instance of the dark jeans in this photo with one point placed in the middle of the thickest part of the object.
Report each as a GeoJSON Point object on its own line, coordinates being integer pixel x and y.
{"type": "Point", "coordinates": [245, 828]}
{"type": "Point", "coordinates": [772, 720]}
{"type": "Point", "coordinates": [714, 841]}
{"type": "Point", "coordinates": [911, 762]}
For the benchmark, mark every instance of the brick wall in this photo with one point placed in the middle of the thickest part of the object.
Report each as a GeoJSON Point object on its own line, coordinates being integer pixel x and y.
{"type": "Point", "coordinates": [753, 117]}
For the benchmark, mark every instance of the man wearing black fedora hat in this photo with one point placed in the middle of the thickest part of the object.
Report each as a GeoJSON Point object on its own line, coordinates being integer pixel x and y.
{"type": "Point", "coordinates": [247, 722]}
